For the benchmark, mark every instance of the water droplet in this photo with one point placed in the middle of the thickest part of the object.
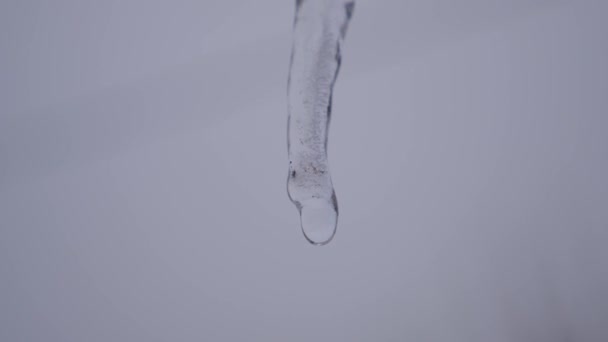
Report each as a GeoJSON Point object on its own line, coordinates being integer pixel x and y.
{"type": "Point", "coordinates": [319, 221]}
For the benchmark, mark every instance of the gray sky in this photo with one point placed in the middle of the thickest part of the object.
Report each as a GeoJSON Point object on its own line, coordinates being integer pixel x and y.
{"type": "Point", "coordinates": [143, 164]}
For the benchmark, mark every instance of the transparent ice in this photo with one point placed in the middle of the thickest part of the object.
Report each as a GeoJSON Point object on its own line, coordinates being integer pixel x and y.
{"type": "Point", "coordinates": [319, 29]}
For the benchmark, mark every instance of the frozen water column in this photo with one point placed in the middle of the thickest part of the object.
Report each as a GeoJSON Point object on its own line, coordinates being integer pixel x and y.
{"type": "Point", "coordinates": [319, 29]}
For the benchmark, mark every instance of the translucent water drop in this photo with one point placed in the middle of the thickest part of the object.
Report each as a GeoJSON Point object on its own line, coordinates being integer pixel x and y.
{"type": "Point", "coordinates": [319, 29]}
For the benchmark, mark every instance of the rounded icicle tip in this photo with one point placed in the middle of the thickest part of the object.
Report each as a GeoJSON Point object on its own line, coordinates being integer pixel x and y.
{"type": "Point", "coordinates": [319, 221]}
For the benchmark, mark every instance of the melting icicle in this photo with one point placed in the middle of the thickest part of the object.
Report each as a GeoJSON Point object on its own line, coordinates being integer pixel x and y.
{"type": "Point", "coordinates": [319, 29]}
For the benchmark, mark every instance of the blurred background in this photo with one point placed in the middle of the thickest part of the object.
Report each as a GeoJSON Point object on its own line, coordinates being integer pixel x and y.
{"type": "Point", "coordinates": [143, 164]}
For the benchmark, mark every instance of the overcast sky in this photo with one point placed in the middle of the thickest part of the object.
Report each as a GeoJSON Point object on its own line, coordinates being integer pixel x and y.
{"type": "Point", "coordinates": [143, 164]}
